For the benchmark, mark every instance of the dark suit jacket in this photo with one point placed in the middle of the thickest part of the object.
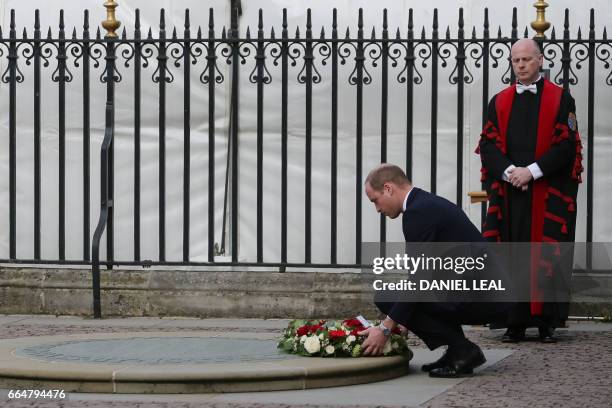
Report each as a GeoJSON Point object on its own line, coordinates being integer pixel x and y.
{"type": "Point", "coordinates": [429, 218]}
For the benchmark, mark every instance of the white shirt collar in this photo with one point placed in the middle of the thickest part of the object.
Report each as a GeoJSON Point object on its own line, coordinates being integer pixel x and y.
{"type": "Point", "coordinates": [406, 199]}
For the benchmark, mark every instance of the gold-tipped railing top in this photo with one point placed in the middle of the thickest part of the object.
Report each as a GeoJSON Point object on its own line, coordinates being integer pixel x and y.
{"type": "Point", "coordinates": [540, 25]}
{"type": "Point", "coordinates": [111, 24]}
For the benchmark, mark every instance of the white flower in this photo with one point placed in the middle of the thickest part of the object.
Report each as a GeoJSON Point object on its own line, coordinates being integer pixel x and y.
{"type": "Point", "coordinates": [350, 339]}
{"type": "Point", "coordinates": [303, 338]}
{"type": "Point", "coordinates": [312, 344]}
{"type": "Point", "coordinates": [387, 349]}
{"type": "Point", "coordinates": [321, 336]}
{"type": "Point", "coordinates": [394, 345]}
{"type": "Point", "coordinates": [330, 349]}
{"type": "Point", "coordinates": [347, 332]}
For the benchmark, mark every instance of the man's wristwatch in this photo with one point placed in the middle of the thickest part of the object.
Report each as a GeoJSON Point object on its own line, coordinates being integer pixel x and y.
{"type": "Point", "coordinates": [386, 331]}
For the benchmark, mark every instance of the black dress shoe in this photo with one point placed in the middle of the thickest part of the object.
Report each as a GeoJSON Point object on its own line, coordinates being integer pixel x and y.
{"type": "Point", "coordinates": [460, 363]}
{"type": "Point", "coordinates": [513, 335]}
{"type": "Point", "coordinates": [439, 363]}
{"type": "Point", "coordinates": [547, 335]}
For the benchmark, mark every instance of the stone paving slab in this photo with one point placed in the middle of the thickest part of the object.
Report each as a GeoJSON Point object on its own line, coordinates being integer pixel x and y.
{"type": "Point", "coordinates": [574, 373]}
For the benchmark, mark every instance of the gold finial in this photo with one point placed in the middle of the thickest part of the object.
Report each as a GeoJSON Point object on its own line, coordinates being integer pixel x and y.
{"type": "Point", "coordinates": [110, 24]}
{"type": "Point", "coordinates": [540, 24]}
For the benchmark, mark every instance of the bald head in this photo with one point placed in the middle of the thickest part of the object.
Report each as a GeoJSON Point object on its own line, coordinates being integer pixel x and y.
{"type": "Point", "coordinates": [526, 60]}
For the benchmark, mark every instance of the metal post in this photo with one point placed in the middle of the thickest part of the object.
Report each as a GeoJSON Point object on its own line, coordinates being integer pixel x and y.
{"type": "Point", "coordinates": [110, 24]}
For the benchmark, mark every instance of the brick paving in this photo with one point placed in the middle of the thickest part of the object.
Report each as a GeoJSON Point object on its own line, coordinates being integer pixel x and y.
{"type": "Point", "coordinates": [575, 372]}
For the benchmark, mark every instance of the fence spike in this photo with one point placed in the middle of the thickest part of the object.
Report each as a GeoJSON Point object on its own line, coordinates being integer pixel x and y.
{"type": "Point", "coordinates": [98, 36]}
{"type": "Point", "coordinates": [499, 33]}
{"type": "Point", "coordinates": [61, 20]}
{"type": "Point", "coordinates": [174, 33]}
{"type": "Point", "coordinates": [199, 34]}
{"type": "Point", "coordinates": [552, 34]}
{"type": "Point", "coordinates": [435, 19]}
{"type": "Point", "coordinates": [150, 34]}
{"type": "Point", "coordinates": [579, 33]}
{"type": "Point", "coordinates": [36, 20]}
{"type": "Point", "coordinates": [162, 20]}
{"type": "Point", "coordinates": [123, 34]}
{"type": "Point", "coordinates": [137, 22]}
{"type": "Point", "coordinates": [461, 17]}
{"type": "Point", "coordinates": [397, 34]}
{"type": "Point", "coordinates": [187, 24]}
{"type": "Point", "coordinates": [334, 19]}
{"type": "Point", "coordinates": [360, 19]}
{"type": "Point", "coordinates": [410, 20]}
{"type": "Point", "coordinates": [423, 33]}
{"type": "Point", "coordinates": [348, 35]}
{"type": "Point", "coordinates": [322, 33]}
{"type": "Point", "coordinates": [486, 18]}
{"type": "Point", "coordinates": [605, 34]}
{"type": "Point", "coordinates": [86, 20]}
{"type": "Point", "coordinates": [526, 33]}
{"type": "Point", "coordinates": [25, 34]}
{"type": "Point", "coordinates": [0, 32]}
{"type": "Point", "coordinates": [474, 33]}
{"type": "Point", "coordinates": [373, 33]}
{"type": "Point", "coordinates": [447, 32]}
{"type": "Point", "coordinates": [272, 36]}
{"type": "Point", "coordinates": [12, 25]}
{"type": "Point", "coordinates": [223, 33]}
{"type": "Point", "coordinates": [514, 19]}
{"type": "Point", "coordinates": [385, 26]}
{"type": "Point", "coordinates": [566, 22]}
{"type": "Point", "coordinates": [74, 34]}
{"type": "Point", "coordinates": [297, 33]}
{"type": "Point", "coordinates": [248, 33]}
{"type": "Point", "coordinates": [284, 19]}
{"type": "Point", "coordinates": [49, 33]}
{"type": "Point", "coordinates": [260, 20]}
{"type": "Point", "coordinates": [308, 19]}
{"type": "Point", "coordinates": [592, 20]}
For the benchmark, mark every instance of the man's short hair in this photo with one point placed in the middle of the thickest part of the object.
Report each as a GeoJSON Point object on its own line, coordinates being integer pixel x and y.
{"type": "Point", "coordinates": [386, 173]}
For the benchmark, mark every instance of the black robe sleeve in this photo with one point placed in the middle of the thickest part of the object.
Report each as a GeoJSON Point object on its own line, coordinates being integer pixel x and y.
{"type": "Point", "coordinates": [561, 155]}
{"type": "Point", "coordinates": [493, 159]}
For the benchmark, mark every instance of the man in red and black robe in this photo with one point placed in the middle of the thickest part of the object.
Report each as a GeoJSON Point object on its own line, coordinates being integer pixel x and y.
{"type": "Point", "coordinates": [530, 151]}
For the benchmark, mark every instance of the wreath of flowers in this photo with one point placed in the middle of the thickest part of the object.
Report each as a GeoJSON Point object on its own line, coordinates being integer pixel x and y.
{"type": "Point", "coordinates": [321, 338]}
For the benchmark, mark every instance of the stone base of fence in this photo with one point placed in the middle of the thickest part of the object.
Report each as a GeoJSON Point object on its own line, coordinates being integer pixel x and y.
{"type": "Point", "coordinates": [225, 293]}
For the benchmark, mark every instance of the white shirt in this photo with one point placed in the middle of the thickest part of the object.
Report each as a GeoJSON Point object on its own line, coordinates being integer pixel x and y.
{"type": "Point", "coordinates": [406, 200]}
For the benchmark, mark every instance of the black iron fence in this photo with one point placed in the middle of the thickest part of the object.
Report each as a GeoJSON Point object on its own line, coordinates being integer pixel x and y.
{"type": "Point", "coordinates": [402, 58]}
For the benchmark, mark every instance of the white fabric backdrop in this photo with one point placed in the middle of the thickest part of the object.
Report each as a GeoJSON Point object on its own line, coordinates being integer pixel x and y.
{"type": "Point", "coordinates": [499, 15]}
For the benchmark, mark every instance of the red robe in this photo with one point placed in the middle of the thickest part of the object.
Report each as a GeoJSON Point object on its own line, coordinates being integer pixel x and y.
{"type": "Point", "coordinates": [553, 196]}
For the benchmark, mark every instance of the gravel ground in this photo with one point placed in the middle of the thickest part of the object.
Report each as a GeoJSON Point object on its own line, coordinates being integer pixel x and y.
{"type": "Point", "coordinates": [575, 372]}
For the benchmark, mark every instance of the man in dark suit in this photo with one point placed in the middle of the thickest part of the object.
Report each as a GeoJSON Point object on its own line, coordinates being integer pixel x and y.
{"type": "Point", "coordinates": [427, 218]}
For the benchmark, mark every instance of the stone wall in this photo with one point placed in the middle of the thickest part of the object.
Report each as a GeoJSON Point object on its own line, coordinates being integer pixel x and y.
{"type": "Point", "coordinates": [219, 293]}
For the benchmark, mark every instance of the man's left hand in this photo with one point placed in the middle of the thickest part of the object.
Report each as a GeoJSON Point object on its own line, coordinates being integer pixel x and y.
{"type": "Point", "coordinates": [519, 176]}
{"type": "Point", "coordinates": [374, 344]}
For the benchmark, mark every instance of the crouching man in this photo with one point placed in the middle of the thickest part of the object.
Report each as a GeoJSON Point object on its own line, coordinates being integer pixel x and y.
{"type": "Point", "coordinates": [428, 218]}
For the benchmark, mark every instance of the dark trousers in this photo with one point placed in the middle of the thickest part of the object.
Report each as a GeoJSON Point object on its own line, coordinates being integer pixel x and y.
{"type": "Point", "coordinates": [439, 324]}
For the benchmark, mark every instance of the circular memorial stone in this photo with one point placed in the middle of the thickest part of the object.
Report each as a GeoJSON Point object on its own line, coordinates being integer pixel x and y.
{"type": "Point", "coordinates": [177, 362]}
{"type": "Point", "coordinates": [157, 350]}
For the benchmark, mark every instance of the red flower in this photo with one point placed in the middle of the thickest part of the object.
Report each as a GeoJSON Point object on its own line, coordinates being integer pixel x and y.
{"type": "Point", "coordinates": [336, 334]}
{"type": "Point", "coordinates": [352, 323]}
{"type": "Point", "coordinates": [307, 329]}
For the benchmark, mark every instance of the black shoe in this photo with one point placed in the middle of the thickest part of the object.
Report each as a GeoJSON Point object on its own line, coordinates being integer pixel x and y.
{"type": "Point", "coordinates": [461, 362]}
{"type": "Point", "coordinates": [513, 335]}
{"type": "Point", "coordinates": [441, 362]}
{"type": "Point", "coordinates": [547, 334]}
